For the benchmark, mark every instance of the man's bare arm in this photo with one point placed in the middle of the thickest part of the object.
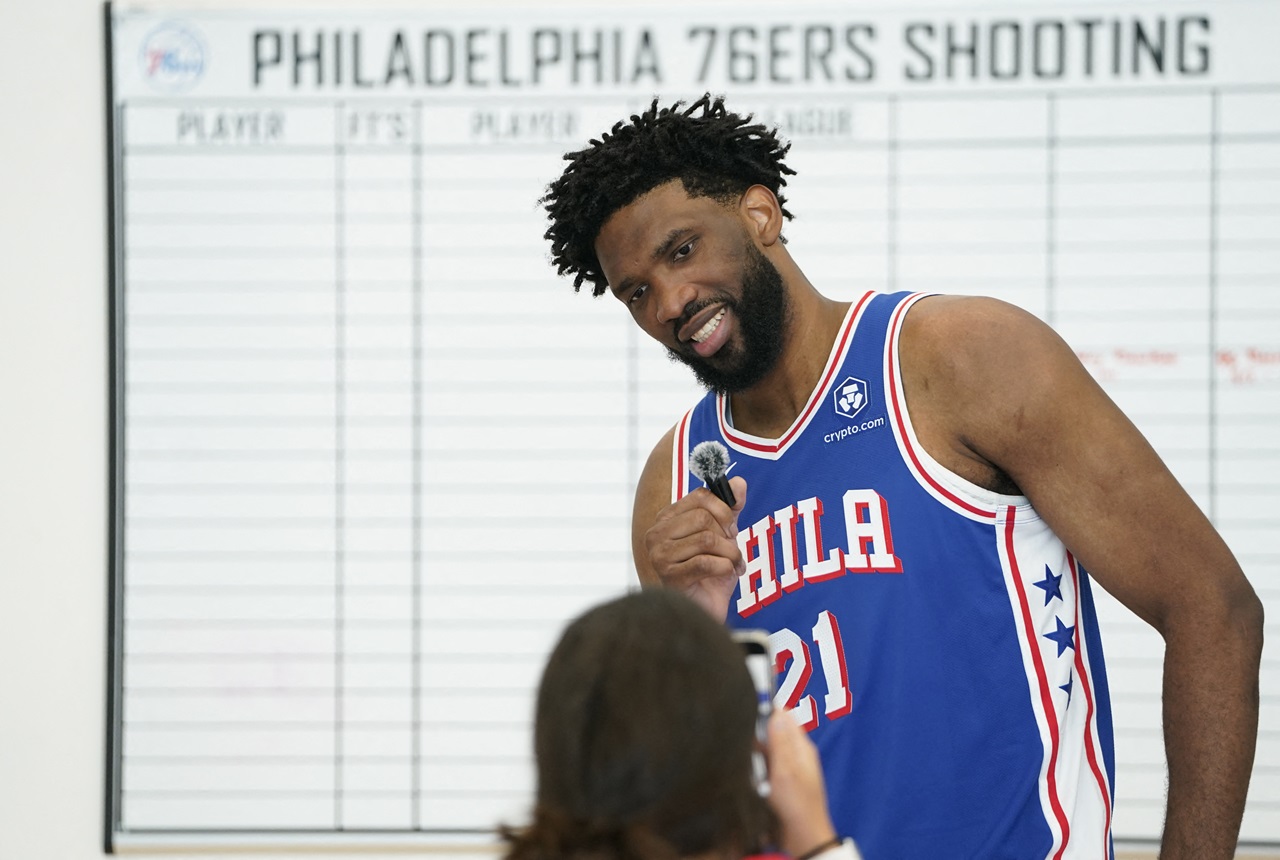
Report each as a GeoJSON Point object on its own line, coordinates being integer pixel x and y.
{"type": "Point", "coordinates": [995, 387]}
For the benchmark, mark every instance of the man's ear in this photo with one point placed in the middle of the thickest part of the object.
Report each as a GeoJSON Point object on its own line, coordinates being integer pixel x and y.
{"type": "Point", "coordinates": [762, 213]}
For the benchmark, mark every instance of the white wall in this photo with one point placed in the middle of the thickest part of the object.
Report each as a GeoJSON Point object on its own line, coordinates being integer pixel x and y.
{"type": "Point", "coordinates": [53, 451]}
{"type": "Point", "coordinates": [53, 430]}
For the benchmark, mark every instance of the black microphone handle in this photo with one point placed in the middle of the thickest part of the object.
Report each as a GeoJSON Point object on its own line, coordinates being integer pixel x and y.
{"type": "Point", "coordinates": [720, 486]}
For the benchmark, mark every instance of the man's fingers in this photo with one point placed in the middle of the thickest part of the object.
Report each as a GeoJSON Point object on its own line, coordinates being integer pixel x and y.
{"type": "Point", "coordinates": [739, 487]}
{"type": "Point", "coordinates": [698, 510]}
{"type": "Point", "coordinates": [702, 547]}
{"type": "Point", "coordinates": [703, 499]}
{"type": "Point", "coordinates": [695, 538]}
{"type": "Point", "coordinates": [700, 569]}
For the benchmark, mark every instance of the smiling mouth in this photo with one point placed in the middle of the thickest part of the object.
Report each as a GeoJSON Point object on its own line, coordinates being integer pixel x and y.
{"type": "Point", "coordinates": [711, 325]}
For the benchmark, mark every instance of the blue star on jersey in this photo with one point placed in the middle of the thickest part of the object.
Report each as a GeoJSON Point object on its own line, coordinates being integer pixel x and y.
{"type": "Point", "coordinates": [1067, 687]}
{"type": "Point", "coordinates": [1065, 636]}
{"type": "Point", "coordinates": [1051, 584]}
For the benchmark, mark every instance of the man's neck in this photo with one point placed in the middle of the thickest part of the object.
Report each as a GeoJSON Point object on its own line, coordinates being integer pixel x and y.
{"type": "Point", "coordinates": [772, 405]}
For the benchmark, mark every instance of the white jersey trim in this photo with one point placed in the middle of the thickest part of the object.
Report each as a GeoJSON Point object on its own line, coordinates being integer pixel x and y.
{"type": "Point", "coordinates": [679, 458]}
{"type": "Point", "coordinates": [1075, 795]}
{"type": "Point", "coordinates": [1088, 727]}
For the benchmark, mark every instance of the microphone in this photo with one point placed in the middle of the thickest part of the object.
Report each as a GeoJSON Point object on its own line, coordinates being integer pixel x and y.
{"type": "Point", "coordinates": [708, 461]}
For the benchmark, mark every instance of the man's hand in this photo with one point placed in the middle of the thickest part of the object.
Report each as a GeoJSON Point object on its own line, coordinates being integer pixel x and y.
{"type": "Point", "coordinates": [692, 546]}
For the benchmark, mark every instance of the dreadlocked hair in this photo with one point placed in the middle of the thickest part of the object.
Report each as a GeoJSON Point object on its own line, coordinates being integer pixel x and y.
{"type": "Point", "coordinates": [713, 152]}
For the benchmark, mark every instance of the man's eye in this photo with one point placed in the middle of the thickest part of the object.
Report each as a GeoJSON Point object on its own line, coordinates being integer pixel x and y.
{"type": "Point", "coordinates": [637, 293]}
{"type": "Point", "coordinates": [684, 250]}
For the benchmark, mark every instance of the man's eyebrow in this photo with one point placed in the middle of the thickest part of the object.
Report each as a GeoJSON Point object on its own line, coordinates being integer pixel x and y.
{"type": "Point", "coordinates": [668, 243]}
{"type": "Point", "coordinates": [664, 247]}
{"type": "Point", "coordinates": [621, 287]}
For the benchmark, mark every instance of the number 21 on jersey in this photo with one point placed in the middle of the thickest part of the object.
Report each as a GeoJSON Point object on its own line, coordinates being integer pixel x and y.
{"type": "Point", "coordinates": [792, 654]}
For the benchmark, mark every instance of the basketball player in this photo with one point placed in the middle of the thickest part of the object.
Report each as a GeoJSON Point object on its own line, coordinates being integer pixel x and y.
{"type": "Point", "coordinates": [920, 485]}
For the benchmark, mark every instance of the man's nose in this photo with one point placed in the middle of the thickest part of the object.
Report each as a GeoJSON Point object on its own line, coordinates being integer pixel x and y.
{"type": "Point", "coordinates": [673, 296]}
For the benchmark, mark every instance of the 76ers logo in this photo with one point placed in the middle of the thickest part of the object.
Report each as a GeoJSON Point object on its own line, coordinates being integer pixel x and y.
{"type": "Point", "coordinates": [172, 58]}
{"type": "Point", "coordinates": [851, 397]}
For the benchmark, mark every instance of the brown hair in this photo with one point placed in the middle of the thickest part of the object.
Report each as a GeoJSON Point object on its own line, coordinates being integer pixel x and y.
{"type": "Point", "coordinates": [643, 738]}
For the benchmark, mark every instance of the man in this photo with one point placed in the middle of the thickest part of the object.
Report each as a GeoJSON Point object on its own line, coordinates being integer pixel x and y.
{"type": "Point", "coordinates": [920, 485]}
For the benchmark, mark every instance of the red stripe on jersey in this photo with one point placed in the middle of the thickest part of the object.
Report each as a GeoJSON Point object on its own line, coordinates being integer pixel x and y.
{"type": "Point", "coordinates": [891, 377]}
{"type": "Point", "coordinates": [819, 393]}
{"type": "Point", "coordinates": [1090, 750]}
{"type": "Point", "coordinates": [1046, 698]}
{"type": "Point", "coordinates": [838, 650]}
{"type": "Point", "coordinates": [681, 464]}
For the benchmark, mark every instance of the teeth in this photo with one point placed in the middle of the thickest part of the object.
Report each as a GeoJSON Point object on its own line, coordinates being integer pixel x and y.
{"type": "Point", "coordinates": [705, 332]}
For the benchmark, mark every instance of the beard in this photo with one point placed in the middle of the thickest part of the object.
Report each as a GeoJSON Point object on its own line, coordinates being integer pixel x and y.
{"type": "Point", "coordinates": [761, 312]}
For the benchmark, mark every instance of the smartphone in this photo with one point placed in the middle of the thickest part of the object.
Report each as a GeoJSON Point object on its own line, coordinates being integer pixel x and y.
{"type": "Point", "coordinates": [759, 660]}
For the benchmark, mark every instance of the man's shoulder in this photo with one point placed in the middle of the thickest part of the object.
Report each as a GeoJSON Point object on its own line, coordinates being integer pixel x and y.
{"type": "Point", "coordinates": [970, 334]}
{"type": "Point", "coordinates": [964, 317]}
{"type": "Point", "coordinates": [975, 371]}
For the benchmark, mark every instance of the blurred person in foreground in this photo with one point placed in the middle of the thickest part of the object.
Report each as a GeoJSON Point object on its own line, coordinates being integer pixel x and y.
{"type": "Point", "coordinates": [643, 737]}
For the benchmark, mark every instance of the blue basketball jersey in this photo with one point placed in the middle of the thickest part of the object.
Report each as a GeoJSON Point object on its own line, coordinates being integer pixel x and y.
{"type": "Point", "coordinates": [937, 639]}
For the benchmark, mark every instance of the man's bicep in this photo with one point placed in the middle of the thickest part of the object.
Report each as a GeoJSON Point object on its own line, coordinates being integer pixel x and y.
{"type": "Point", "coordinates": [1100, 485]}
{"type": "Point", "coordinates": [653, 493]}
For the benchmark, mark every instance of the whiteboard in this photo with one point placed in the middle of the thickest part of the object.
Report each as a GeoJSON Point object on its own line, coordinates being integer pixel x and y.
{"type": "Point", "coordinates": [370, 453]}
